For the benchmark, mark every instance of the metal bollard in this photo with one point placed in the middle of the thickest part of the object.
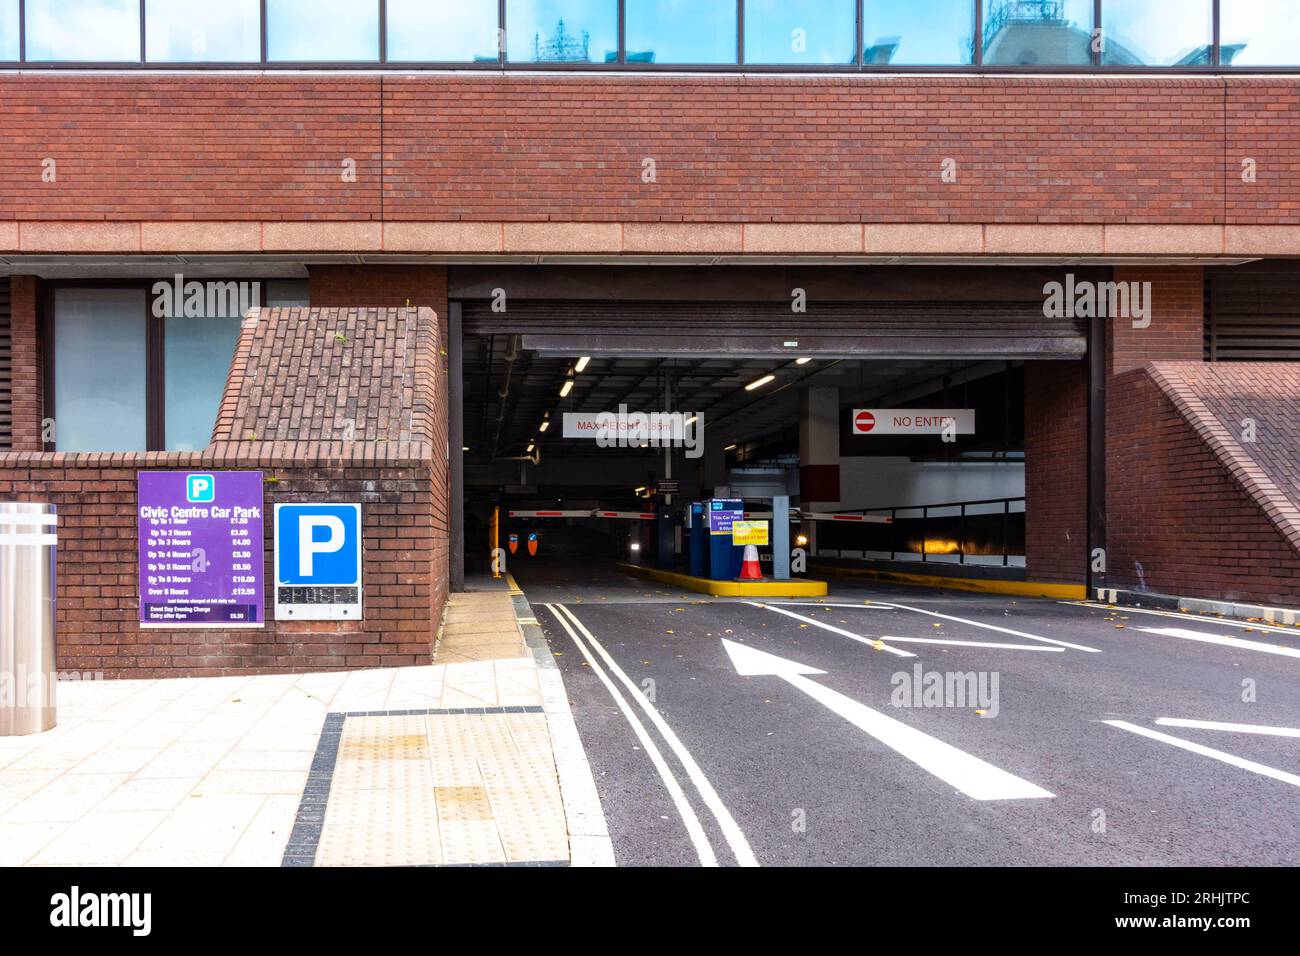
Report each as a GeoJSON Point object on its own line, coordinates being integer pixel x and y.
{"type": "Point", "coordinates": [28, 675]}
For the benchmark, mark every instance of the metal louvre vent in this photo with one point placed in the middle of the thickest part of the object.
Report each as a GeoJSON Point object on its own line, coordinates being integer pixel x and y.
{"type": "Point", "coordinates": [6, 369]}
{"type": "Point", "coordinates": [1253, 314]}
{"type": "Point", "coordinates": [903, 329]}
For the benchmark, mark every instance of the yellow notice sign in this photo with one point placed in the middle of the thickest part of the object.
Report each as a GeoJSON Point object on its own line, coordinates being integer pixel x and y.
{"type": "Point", "coordinates": [749, 532]}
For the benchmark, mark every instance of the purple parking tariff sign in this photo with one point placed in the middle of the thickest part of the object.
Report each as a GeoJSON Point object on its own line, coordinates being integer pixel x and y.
{"type": "Point", "coordinates": [201, 549]}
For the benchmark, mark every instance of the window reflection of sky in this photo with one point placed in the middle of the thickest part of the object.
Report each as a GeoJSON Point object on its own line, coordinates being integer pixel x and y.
{"type": "Point", "coordinates": [1255, 33]}
{"type": "Point", "coordinates": [322, 30]}
{"type": "Point", "coordinates": [590, 31]}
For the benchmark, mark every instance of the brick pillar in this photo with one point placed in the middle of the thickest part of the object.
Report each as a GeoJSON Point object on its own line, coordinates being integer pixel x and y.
{"type": "Point", "coordinates": [1137, 426]}
{"type": "Point", "coordinates": [28, 399]}
{"type": "Point", "coordinates": [1056, 472]}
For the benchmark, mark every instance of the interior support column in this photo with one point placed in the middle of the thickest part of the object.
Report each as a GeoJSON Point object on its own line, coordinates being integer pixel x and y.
{"type": "Point", "coordinates": [819, 455]}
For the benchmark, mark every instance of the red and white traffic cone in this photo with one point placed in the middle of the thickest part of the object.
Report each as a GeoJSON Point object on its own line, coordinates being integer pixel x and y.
{"type": "Point", "coordinates": [750, 569]}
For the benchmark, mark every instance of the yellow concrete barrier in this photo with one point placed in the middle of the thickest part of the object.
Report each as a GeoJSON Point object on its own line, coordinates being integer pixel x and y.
{"type": "Point", "coordinates": [796, 588]}
{"type": "Point", "coordinates": [1069, 592]}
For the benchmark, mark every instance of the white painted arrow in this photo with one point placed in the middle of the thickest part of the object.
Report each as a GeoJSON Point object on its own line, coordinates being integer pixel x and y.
{"type": "Point", "coordinates": [1222, 640]}
{"type": "Point", "coordinates": [976, 778]}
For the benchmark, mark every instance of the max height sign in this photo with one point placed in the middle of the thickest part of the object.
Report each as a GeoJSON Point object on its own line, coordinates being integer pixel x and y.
{"type": "Point", "coordinates": [200, 549]}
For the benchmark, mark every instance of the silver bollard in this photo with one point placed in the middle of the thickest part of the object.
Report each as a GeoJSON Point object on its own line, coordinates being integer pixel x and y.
{"type": "Point", "coordinates": [28, 675]}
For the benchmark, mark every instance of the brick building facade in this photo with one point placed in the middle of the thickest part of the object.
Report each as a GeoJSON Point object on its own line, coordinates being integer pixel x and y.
{"type": "Point", "coordinates": [375, 186]}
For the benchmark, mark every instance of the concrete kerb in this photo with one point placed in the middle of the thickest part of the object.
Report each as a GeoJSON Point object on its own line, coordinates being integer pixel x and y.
{"type": "Point", "coordinates": [589, 840]}
{"type": "Point", "coordinates": [1286, 617]}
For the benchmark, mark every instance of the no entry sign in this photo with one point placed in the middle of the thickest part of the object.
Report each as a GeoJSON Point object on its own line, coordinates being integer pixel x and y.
{"type": "Point", "coordinates": [913, 421]}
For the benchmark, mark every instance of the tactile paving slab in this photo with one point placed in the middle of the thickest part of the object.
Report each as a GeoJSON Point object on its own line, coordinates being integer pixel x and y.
{"type": "Point", "coordinates": [473, 786]}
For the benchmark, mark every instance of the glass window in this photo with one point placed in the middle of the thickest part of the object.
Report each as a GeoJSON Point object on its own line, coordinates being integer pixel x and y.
{"type": "Point", "coordinates": [100, 370]}
{"type": "Point", "coordinates": [197, 360]}
{"type": "Point", "coordinates": [562, 31]}
{"type": "Point", "coordinates": [681, 31]}
{"type": "Point", "coordinates": [464, 32]}
{"type": "Point", "coordinates": [322, 30]}
{"type": "Point", "coordinates": [99, 31]}
{"type": "Point", "coordinates": [918, 32]}
{"type": "Point", "coordinates": [800, 31]}
{"type": "Point", "coordinates": [1157, 32]}
{"type": "Point", "coordinates": [1260, 32]}
{"type": "Point", "coordinates": [199, 31]}
{"type": "Point", "coordinates": [1038, 32]}
{"type": "Point", "coordinates": [9, 48]}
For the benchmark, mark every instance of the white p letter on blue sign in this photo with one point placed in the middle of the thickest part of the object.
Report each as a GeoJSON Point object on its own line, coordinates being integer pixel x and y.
{"type": "Point", "coordinates": [308, 544]}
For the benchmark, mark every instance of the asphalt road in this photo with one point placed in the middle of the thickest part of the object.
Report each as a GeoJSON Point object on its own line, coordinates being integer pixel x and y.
{"type": "Point", "coordinates": [697, 762]}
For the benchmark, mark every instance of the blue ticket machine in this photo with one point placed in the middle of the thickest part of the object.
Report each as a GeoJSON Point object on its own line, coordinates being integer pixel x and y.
{"type": "Point", "coordinates": [724, 557]}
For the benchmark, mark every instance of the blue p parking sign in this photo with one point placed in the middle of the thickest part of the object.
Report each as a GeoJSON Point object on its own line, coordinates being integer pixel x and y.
{"type": "Point", "coordinates": [318, 562]}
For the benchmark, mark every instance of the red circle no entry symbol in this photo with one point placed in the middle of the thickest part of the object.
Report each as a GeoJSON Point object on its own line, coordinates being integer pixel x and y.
{"type": "Point", "coordinates": [864, 421]}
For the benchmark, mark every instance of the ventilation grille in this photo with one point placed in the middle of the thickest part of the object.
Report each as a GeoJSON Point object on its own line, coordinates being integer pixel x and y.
{"type": "Point", "coordinates": [1254, 314]}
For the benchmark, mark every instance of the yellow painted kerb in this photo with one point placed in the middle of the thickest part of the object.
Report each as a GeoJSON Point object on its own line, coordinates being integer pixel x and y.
{"type": "Point", "coordinates": [796, 588]}
{"type": "Point", "coordinates": [1069, 592]}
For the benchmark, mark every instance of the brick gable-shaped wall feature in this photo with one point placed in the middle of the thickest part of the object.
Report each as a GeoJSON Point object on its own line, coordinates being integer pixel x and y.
{"type": "Point", "coordinates": [290, 381]}
{"type": "Point", "coordinates": [1191, 512]}
{"type": "Point", "coordinates": [332, 375]}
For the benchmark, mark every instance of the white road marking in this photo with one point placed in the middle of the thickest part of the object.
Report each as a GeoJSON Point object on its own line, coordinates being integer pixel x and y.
{"type": "Point", "coordinates": [700, 839]}
{"type": "Point", "coordinates": [1222, 641]}
{"type": "Point", "coordinates": [778, 607]}
{"type": "Point", "coordinates": [873, 606]}
{"type": "Point", "coordinates": [1004, 630]}
{"type": "Point", "coordinates": [1196, 748]}
{"type": "Point", "coordinates": [1231, 728]}
{"type": "Point", "coordinates": [835, 630]}
{"type": "Point", "coordinates": [1194, 618]}
{"type": "Point", "coordinates": [974, 777]}
{"type": "Point", "coordinates": [1005, 647]}
{"type": "Point", "coordinates": [731, 831]}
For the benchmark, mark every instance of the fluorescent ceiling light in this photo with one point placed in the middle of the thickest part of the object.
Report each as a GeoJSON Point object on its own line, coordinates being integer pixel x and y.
{"type": "Point", "coordinates": [730, 448]}
{"type": "Point", "coordinates": [766, 379]}
{"type": "Point", "coordinates": [582, 364]}
{"type": "Point", "coordinates": [546, 423]}
{"type": "Point", "coordinates": [802, 361]}
{"type": "Point", "coordinates": [566, 388]}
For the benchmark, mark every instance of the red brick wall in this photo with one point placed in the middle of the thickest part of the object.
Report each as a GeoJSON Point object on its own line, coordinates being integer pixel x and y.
{"type": "Point", "coordinates": [1056, 471]}
{"type": "Point", "coordinates": [377, 286]}
{"type": "Point", "coordinates": [1180, 524]}
{"type": "Point", "coordinates": [1177, 329]}
{"type": "Point", "coordinates": [28, 400]}
{"type": "Point", "coordinates": [98, 600]}
{"type": "Point", "coordinates": [215, 147]}
{"type": "Point", "coordinates": [1261, 125]}
{"type": "Point", "coordinates": [571, 147]}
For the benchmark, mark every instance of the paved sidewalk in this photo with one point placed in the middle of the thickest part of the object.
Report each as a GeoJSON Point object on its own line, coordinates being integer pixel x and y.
{"type": "Point", "coordinates": [468, 762]}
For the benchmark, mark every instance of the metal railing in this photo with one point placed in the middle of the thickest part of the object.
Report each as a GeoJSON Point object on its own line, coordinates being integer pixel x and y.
{"type": "Point", "coordinates": [957, 544]}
